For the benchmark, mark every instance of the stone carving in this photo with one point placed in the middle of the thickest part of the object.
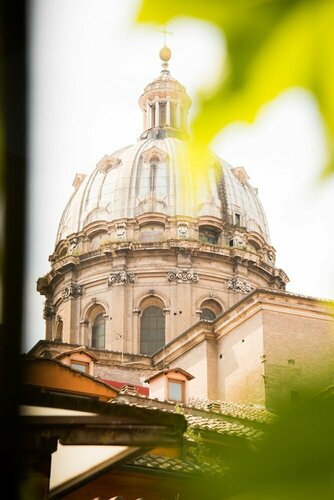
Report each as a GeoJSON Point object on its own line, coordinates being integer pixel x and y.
{"type": "Point", "coordinates": [239, 285]}
{"type": "Point", "coordinates": [184, 275]}
{"type": "Point", "coordinates": [121, 231]}
{"type": "Point", "coordinates": [72, 246]}
{"type": "Point", "coordinates": [71, 291]}
{"type": "Point", "coordinates": [120, 278]}
{"type": "Point", "coordinates": [271, 255]}
{"type": "Point", "coordinates": [49, 310]}
{"type": "Point", "coordinates": [182, 230]}
{"type": "Point", "coordinates": [239, 241]}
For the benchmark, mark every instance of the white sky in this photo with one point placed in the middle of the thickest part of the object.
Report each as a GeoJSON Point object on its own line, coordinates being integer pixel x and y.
{"type": "Point", "coordinates": [89, 64]}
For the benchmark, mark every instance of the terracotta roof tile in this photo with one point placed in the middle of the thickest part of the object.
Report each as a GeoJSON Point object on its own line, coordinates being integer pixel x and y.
{"type": "Point", "coordinates": [222, 427]}
{"type": "Point", "coordinates": [236, 410]}
{"type": "Point", "coordinates": [159, 462]}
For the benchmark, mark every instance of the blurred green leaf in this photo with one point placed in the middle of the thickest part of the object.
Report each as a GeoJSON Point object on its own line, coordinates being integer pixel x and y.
{"type": "Point", "coordinates": [272, 45]}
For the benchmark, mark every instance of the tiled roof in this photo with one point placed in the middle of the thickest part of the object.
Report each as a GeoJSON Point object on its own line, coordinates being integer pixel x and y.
{"type": "Point", "coordinates": [169, 464]}
{"type": "Point", "coordinates": [222, 427]}
{"type": "Point", "coordinates": [236, 410]}
{"type": "Point", "coordinates": [137, 389]}
{"type": "Point", "coordinates": [241, 427]}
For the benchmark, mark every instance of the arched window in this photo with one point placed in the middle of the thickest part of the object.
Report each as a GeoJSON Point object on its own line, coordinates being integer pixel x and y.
{"type": "Point", "coordinates": [152, 330]}
{"type": "Point", "coordinates": [207, 314]}
{"type": "Point", "coordinates": [210, 309]}
{"type": "Point", "coordinates": [98, 332]}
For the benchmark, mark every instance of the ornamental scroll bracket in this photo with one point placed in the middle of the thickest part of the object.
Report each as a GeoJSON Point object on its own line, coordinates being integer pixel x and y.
{"type": "Point", "coordinates": [120, 278]}
{"type": "Point", "coordinates": [49, 310]}
{"type": "Point", "coordinates": [71, 291]}
{"type": "Point", "coordinates": [183, 276]}
{"type": "Point", "coordinates": [239, 285]}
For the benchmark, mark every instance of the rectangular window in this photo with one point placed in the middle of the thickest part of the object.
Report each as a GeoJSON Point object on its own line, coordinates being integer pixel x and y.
{"type": "Point", "coordinates": [175, 390]}
{"type": "Point", "coordinates": [80, 367]}
{"type": "Point", "coordinates": [237, 219]}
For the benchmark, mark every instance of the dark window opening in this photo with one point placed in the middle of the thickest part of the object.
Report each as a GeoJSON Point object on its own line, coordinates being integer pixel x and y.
{"type": "Point", "coordinates": [152, 330]}
{"type": "Point", "coordinates": [98, 332]}
{"type": "Point", "coordinates": [152, 111]}
{"type": "Point", "coordinates": [291, 361]}
{"type": "Point", "coordinates": [237, 219]}
{"type": "Point", "coordinates": [207, 314]}
{"type": "Point", "coordinates": [208, 236]}
{"type": "Point", "coordinates": [162, 109]}
{"type": "Point", "coordinates": [231, 243]}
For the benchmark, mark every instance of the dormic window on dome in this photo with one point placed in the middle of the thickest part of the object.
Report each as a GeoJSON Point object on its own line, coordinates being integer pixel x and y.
{"type": "Point", "coordinates": [207, 314]}
{"type": "Point", "coordinates": [208, 235]}
{"type": "Point", "coordinates": [152, 179]}
{"type": "Point", "coordinates": [98, 332]}
{"type": "Point", "coordinates": [152, 330]}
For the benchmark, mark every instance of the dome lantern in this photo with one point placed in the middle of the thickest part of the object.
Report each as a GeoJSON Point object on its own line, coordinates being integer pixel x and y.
{"type": "Point", "coordinates": [165, 104]}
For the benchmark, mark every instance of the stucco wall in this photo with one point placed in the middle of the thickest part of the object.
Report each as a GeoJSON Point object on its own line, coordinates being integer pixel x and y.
{"type": "Point", "coordinates": [194, 362]}
{"type": "Point", "coordinates": [239, 363]}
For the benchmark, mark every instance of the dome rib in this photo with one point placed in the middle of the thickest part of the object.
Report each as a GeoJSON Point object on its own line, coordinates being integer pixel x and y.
{"type": "Point", "coordinates": [115, 192]}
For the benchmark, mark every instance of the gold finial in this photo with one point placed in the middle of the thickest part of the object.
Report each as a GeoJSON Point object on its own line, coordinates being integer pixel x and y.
{"type": "Point", "coordinates": [165, 53]}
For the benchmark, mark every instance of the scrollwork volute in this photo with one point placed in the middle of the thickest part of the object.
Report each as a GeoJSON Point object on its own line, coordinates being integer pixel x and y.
{"type": "Point", "coordinates": [239, 285]}
{"type": "Point", "coordinates": [183, 275]}
{"type": "Point", "coordinates": [71, 291]}
{"type": "Point", "coordinates": [120, 278]}
{"type": "Point", "coordinates": [48, 310]}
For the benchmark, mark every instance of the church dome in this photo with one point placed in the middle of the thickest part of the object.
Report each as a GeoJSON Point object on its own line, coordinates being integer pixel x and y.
{"type": "Point", "coordinates": [148, 245]}
{"type": "Point", "coordinates": [155, 176]}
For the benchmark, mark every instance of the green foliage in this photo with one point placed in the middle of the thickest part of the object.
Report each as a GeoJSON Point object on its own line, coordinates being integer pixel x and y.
{"type": "Point", "coordinates": [294, 461]}
{"type": "Point", "coordinates": [272, 45]}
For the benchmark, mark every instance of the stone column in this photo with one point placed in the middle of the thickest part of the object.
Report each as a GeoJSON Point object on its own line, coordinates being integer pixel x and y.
{"type": "Point", "coordinates": [172, 316]}
{"type": "Point", "coordinates": [168, 112]}
{"type": "Point", "coordinates": [115, 342]}
{"type": "Point", "coordinates": [148, 116]}
{"type": "Point", "coordinates": [212, 372]}
{"type": "Point", "coordinates": [49, 316]}
{"type": "Point", "coordinates": [119, 282]}
{"type": "Point", "coordinates": [70, 312]}
{"type": "Point", "coordinates": [157, 121]}
{"type": "Point", "coordinates": [178, 114]}
{"type": "Point", "coordinates": [136, 330]}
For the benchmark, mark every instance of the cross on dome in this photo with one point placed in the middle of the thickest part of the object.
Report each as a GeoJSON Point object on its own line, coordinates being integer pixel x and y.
{"type": "Point", "coordinates": [165, 53]}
